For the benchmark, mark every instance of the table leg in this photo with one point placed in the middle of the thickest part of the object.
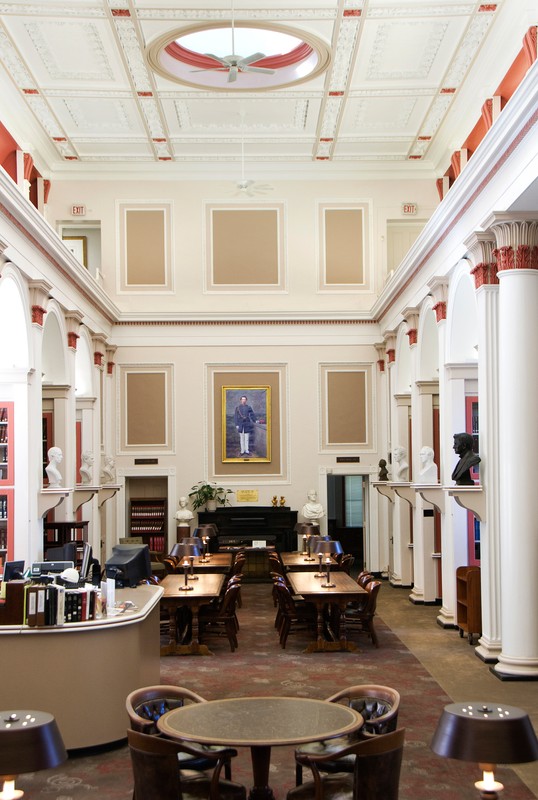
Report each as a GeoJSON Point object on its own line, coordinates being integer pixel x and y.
{"type": "Point", "coordinates": [170, 648]}
{"type": "Point", "coordinates": [261, 758]}
{"type": "Point", "coordinates": [321, 644]}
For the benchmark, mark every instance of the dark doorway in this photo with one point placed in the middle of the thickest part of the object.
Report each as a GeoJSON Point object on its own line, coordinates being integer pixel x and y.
{"type": "Point", "coordinates": [345, 504]}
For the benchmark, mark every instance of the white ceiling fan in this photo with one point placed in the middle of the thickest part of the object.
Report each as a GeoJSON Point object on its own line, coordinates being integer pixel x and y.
{"type": "Point", "coordinates": [234, 64]}
{"type": "Point", "coordinates": [247, 186]}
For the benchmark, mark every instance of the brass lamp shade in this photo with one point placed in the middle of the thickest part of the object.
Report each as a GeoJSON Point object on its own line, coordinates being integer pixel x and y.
{"type": "Point", "coordinates": [299, 526]}
{"type": "Point", "coordinates": [487, 733]}
{"type": "Point", "coordinates": [29, 741]}
{"type": "Point", "coordinates": [328, 547]}
{"type": "Point", "coordinates": [206, 529]}
{"type": "Point", "coordinates": [186, 549]}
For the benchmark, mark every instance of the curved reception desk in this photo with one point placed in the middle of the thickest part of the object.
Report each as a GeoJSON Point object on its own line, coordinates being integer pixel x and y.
{"type": "Point", "coordinates": [82, 672]}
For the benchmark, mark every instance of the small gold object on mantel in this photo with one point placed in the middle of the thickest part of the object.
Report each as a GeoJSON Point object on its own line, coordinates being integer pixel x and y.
{"type": "Point", "coordinates": [282, 501]}
{"type": "Point", "coordinates": [274, 501]}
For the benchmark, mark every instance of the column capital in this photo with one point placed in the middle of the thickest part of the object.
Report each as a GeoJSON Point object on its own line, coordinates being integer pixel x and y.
{"type": "Point", "coordinates": [390, 346]}
{"type": "Point", "coordinates": [381, 353]}
{"type": "Point", "coordinates": [411, 316]}
{"type": "Point", "coordinates": [481, 250]}
{"type": "Point", "coordinates": [39, 294]}
{"type": "Point", "coordinates": [516, 237]}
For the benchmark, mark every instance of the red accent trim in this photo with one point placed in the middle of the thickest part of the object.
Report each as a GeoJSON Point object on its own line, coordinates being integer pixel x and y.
{"type": "Point", "coordinates": [447, 90]}
{"type": "Point", "coordinates": [488, 7]}
{"type": "Point", "coordinates": [326, 139]}
{"type": "Point", "coordinates": [30, 91]}
{"type": "Point", "coordinates": [110, 368]}
{"type": "Point", "coordinates": [71, 158]}
{"type": "Point", "coordinates": [322, 158]}
{"type": "Point", "coordinates": [72, 339]}
{"type": "Point", "coordinates": [485, 275]}
{"type": "Point", "coordinates": [440, 310]}
{"type": "Point", "coordinates": [352, 12]}
{"type": "Point", "coordinates": [28, 166]}
{"type": "Point", "coordinates": [415, 158]}
{"type": "Point", "coordinates": [38, 313]}
{"type": "Point", "coordinates": [59, 139]}
{"type": "Point", "coordinates": [391, 355]}
{"type": "Point", "coordinates": [158, 140]}
{"type": "Point", "coordinates": [98, 359]}
{"type": "Point", "coordinates": [381, 364]}
{"type": "Point", "coordinates": [46, 190]}
{"type": "Point", "coordinates": [120, 12]}
{"type": "Point", "coordinates": [529, 44]}
{"type": "Point", "coordinates": [413, 336]}
{"type": "Point", "coordinates": [145, 94]}
{"type": "Point", "coordinates": [424, 138]}
{"type": "Point", "coordinates": [336, 94]}
{"type": "Point", "coordinates": [186, 56]}
{"type": "Point", "coordinates": [165, 158]}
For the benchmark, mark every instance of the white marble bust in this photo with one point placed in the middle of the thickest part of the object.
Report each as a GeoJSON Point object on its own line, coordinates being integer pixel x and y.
{"type": "Point", "coordinates": [86, 467]}
{"type": "Point", "coordinates": [184, 514]}
{"type": "Point", "coordinates": [428, 470]}
{"type": "Point", "coordinates": [55, 457]}
{"type": "Point", "coordinates": [402, 467]}
{"type": "Point", "coordinates": [312, 509]}
{"type": "Point", "coordinates": [108, 473]}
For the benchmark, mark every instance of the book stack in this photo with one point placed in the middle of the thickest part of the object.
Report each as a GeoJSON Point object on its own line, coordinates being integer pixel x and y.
{"type": "Point", "coordinates": [51, 604]}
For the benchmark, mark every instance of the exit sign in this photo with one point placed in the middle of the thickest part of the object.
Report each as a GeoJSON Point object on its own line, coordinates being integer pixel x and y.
{"type": "Point", "coordinates": [409, 208]}
{"type": "Point", "coordinates": [78, 211]}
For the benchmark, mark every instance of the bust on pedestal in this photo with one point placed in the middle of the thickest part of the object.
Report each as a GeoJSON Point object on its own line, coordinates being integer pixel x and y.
{"type": "Point", "coordinates": [463, 446]}
{"type": "Point", "coordinates": [108, 473]}
{"type": "Point", "coordinates": [401, 468]}
{"type": "Point", "coordinates": [86, 467]}
{"type": "Point", "coordinates": [312, 510]}
{"type": "Point", "coordinates": [55, 457]}
{"type": "Point", "coordinates": [184, 516]}
{"type": "Point", "coordinates": [428, 471]}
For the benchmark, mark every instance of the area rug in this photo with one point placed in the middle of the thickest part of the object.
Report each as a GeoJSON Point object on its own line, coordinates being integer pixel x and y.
{"type": "Point", "coordinates": [261, 667]}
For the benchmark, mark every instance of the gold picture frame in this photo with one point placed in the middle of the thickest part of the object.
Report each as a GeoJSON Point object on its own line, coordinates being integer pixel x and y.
{"type": "Point", "coordinates": [246, 424]}
{"type": "Point", "coordinates": [78, 245]}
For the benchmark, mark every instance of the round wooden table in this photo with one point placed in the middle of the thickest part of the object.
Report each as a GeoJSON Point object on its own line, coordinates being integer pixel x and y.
{"type": "Point", "coordinates": [260, 723]}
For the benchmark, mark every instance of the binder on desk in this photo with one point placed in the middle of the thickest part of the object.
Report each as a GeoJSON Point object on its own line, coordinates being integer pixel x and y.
{"type": "Point", "coordinates": [31, 605]}
{"type": "Point", "coordinates": [40, 610]}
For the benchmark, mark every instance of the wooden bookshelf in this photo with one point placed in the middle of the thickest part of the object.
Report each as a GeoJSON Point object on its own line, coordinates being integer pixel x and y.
{"type": "Point", "coordinates": [468, 601]}
{"type": "Point", "coordinates": [148, 519]}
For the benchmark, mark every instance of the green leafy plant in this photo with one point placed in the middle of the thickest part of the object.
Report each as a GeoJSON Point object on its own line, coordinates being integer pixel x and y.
{"type": "Point", "coordinates": [203, 491]}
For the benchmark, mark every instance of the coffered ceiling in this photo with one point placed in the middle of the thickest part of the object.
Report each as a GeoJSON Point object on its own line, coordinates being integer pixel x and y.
{"type": "Point", "coordinates": [400, 85]}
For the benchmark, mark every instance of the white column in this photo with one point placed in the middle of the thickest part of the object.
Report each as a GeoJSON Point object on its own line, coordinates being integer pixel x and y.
{"type": "Point", "coordinates": [518, 435]}
{"type": "Point", "coordinates": [487, 296]}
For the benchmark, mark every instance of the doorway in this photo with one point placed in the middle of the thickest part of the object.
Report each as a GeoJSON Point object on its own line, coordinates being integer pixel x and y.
{"type": "Point", "coordinates": [345, 513]}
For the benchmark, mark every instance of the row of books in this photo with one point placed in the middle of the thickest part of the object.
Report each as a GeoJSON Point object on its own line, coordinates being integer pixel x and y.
{"type": "Point", "coordinates": [52, 604]}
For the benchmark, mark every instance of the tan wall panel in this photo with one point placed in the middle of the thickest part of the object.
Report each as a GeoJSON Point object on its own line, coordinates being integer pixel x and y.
{"type": "Point", "coordinates": [344, 246]}
{"type": "Point", "coordinates": [146, 408]}
{"type": "Point", "coordinates": [245, 247]}
{"type": "Point", "coordinates": [346, 406]}
{"type": "Point", "coordinates": [145, 247]}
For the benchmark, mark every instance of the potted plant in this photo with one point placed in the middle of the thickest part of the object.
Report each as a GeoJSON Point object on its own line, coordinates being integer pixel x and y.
{"type": "Point", "coordinates": [208, 495]}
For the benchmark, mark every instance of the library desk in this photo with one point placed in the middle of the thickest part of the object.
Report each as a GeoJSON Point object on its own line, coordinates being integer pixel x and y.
{"type": "Point", "coordinates": [206, 588]}
{"type": "Point", "coordinates": [260, 723]}
{"type": "Point", "coordinates": [218, 562]}
{"type": "Point", "coordinates": [296, 562]}
{"type": "Point", "coordinates": [345, 590]}
{"type": "Point", "coordinates": [81, 672]}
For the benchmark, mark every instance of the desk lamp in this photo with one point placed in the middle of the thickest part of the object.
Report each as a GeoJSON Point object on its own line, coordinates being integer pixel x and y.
{"type": "Point", "coordinates": [206, 532]}
{"type": "Point", "coordinates": [308, 529]}
{"type": "Point", "coordinates": [189, 547]}
{"type": "Point", "coordinates": [489, 733]}
{"type": "Point", "coordinates": [184, 552]}
{"type": "Point", "coordinates": [328, 548]}
{"type": "Point", "coordinates": [29, 741]}
{"type": "Point", "coordinates": [313, 543]}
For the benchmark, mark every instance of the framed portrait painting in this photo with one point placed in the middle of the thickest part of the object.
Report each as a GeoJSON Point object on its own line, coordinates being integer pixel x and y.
{"type": "Point", "coordinates": [246, 423]}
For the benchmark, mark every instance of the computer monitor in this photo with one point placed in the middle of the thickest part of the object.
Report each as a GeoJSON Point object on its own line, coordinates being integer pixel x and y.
{"type": "Point", "coordinates": [66, 552]}
{"type": "Point", "coordinates": [129, 564]}
{"type": "Point", "coordinates": [86, 560]}
{"type": "Point", "coordinates": [13, 570]}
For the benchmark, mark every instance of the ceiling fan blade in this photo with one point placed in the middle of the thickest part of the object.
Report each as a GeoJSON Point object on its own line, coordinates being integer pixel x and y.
{"type": "Point", "coordinates": [220, 60]}
{"type": "Point", "coordinates": [252, 58]}
{"type": "Point", "coordinates": [211, 69]}
{"type": "Point", "coordinates": [263, 70]}
{"type": "Point", "coordinates": [232, 75]}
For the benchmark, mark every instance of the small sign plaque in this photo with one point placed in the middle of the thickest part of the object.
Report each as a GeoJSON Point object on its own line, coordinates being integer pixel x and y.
{"type": "Point", "coordinates": [78, 211]}
{"type": "Point", "coordinates": [409, 209]}
{"type": "Point", "coordinates": [247, 496]}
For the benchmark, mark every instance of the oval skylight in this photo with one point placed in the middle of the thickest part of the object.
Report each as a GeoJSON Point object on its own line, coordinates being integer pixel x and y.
{"type": "Point", "coordinates": [247, 57]}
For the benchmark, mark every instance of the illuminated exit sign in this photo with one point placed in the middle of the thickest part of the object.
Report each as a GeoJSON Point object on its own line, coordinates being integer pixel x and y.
{"type": "Point", "coordinates": [78, 211]}
{"type": "Point", "coordinates": [409, 209]}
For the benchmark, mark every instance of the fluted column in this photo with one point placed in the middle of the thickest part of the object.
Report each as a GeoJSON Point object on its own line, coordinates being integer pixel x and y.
{"type": "Point", "coordinates": [517, 258]}
{"type": "Point", "coordinates": [481, 248]}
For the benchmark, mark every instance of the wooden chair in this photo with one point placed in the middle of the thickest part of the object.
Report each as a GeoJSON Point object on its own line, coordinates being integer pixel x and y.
{"type": "Point", "coordinates": [291, 614]}
{"type": "Point", "coordinates": [364, 577]}
{"type": "Point", "coordinates": [146, 705]}
{"type": "Point", "coordinates": [346, 562]}
{"type": "Point", "coordinates": [359, 617]}
{"type": "Point", "coordinates": [376, 771]}
{"type": "Point", "coordinates": [156, 777]}
{"type": "Point", "coordinates": [222, 618]}
{"type": "Point", "coordinates": [378, 706]}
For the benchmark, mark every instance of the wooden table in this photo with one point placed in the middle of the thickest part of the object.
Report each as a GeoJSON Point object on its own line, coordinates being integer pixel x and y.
{"type": "Point", "coordinates": [206, 588]}
{"type": "Point", "coordinates": [217, 562]}
{"type": "Point", "coordinates": [260, 723]}
{"type": "Point", "coordinates": [298, 561]}
{"type": "Point", "coordinates": [345, 590]}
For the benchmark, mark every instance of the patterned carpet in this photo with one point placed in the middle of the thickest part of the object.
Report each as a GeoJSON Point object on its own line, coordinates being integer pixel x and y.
{"type": "Point", "coordinates": [261, 667]}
